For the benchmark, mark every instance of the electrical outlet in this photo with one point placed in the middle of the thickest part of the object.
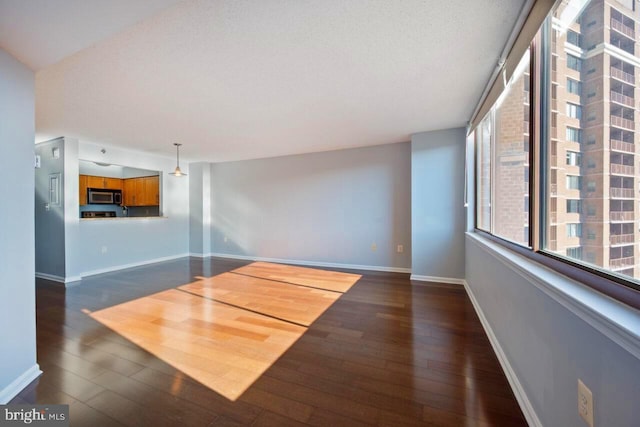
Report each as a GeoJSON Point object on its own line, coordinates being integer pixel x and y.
{"type": "Point", "coordinates": [400, 249]}
{"type": "Point", "coordinates": [585, 403]}
{"type": "Point", "coordinates": [104, 249]}
{"type": "Point", "coordinates": [374, 247]}
{"type": "Point", "coordinates": [226, 239]}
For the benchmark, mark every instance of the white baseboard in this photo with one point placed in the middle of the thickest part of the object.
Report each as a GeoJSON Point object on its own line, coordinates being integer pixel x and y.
{"type": "Point", "coordinates": [309, 263]}
{"type": "Point", "coordinates": [516, 386]}
{"type": "Point", "coordinates": [131, 265]}
{"type": "Point", "coordinates": [51, 277]}
{"type": "Point", "coordinates": [451, 280]}
{"type": "Point", "coordinates": [12, 390]}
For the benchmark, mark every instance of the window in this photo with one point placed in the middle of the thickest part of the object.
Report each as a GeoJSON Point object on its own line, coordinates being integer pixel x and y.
{"type": "Point", "coordinates": [574, 111]}
{"type": "Point", "coordinates": [573, 158]}
{"type": "Point", "coordinates": [574, 62]}
{"type": "Point", "coordinates": [574, 230]}
{"type": "Point", "coordinates": [574, 206]}
{"type": "Point", "coordinates": [574, 86]}
{"type": "Point", "coordinates": [574, 135]}
{"type": "Point", "coordinates": [502, 144]}
{"type": "Point", "coordinates": [573, 38]}
{"type": "Point", "coordinates": [574, 182]}
{"type": "Point", "coordinates": [590, 188]}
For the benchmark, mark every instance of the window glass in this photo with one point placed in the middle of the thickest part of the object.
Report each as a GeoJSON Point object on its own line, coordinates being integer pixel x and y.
{"type": "Point", "coordinates": [574, 158]}
{"type": "Point", "coordinates": [574, 62]}
{"type": "Point", "coordinates": [503, 162]}
{"type": "Point", "coordinates": [511, 159]}
{"type": "Point", "coordinates": [574, 86]}
{"type": "Point", "coordinates": [483, 145]}
{"type": "Point", "coordinates": [596, 218]}
{"type": "Point", "coordinates": [574, 206]}
{"type": "Point", "coordinates": [574, 111]}
{"type": "Point", "coordinates": [574, 134]}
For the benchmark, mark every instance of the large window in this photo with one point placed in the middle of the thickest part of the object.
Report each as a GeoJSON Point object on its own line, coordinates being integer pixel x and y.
{"type": "Point", "coordinates": [503, 157]}
{"type": "Point", "coordinates": [585, 212]}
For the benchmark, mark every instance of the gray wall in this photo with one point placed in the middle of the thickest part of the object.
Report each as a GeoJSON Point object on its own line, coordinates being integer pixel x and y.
{"type": "Point", "coordinates": [200, 208]}
{"type": "Point", "coordinates": [549, 348]}
{"type": "Point", "coordinates": [49, 222]}
{"type": "Point", "coordinates": [17, 291]}
{"type": "Point", "coordinates": [324, 207]}
{"type": "Point", "coordinates": [437, 205]}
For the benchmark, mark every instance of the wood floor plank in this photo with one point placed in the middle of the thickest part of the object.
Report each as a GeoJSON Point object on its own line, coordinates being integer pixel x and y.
{"type": "Point", "coordinates": [312, 277]}
{"type": "Point", "coordinates": [387, 352]}
{"type": "Point", "coordinates": [172, 325]}
{"type": "Point", "coordinates": [298, 304]}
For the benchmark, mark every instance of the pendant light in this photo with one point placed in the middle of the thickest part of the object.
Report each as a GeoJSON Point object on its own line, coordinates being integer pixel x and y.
{"type": "Point", "coordinates": [177, 171]}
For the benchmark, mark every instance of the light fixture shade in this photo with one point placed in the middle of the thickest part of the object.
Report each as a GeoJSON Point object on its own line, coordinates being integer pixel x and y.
{"type": "Point", "coordinates": [177, 171]}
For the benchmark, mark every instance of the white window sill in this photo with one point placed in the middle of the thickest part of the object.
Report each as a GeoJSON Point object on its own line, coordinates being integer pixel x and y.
{"type": "Point", "coordinates": [618, 321]}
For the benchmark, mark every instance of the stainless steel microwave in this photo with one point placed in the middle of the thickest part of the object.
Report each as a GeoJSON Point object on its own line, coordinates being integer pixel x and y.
{"type": "Point", "coordinates": [100, 196]}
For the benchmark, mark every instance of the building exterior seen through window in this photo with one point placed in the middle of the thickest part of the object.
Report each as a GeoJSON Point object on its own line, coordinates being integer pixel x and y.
{"type": "Point", "coordinates": [594, 217]}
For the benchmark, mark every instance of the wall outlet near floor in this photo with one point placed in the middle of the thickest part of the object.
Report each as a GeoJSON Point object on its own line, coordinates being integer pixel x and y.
{"type": "Point", "coordinates": [400, 249]}
{"type": "Point", "coordinates": [374, 247]}
{"type": "Point", "coordinates": [226, 239]}
{"type": "Point", "coordinates": [104, 249]}
{"type": "Point", "coordinates": [585, 403]}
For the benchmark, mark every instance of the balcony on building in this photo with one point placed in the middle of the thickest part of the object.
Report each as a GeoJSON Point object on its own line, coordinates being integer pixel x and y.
{"type": "Point", "coordinates": [622, 71]}
{"type": "Point", "coordinates": [622, 117]}
{"type": "Point", "coordinates": [622, 164]}
{"type": "Point", "coordinates": [621, 210]}
{"type": "Point", "coordinates": [621, 257]}
{"type": "Point", "coordinates": [623, 24]}
{"type": "Point", "coordinates": [623, 42]}
{"type": "Point", "coordinates": [622, 140]}
{"type": "Point", "coordinates": [621, 187]}
{"type": "Point", "coordinates": [622, 233]}
{"type": "Point", "coordinates": [622, 93]}
{"type": "Point", "coordinates": [620, 239]}
{"type": "Point", "coordinates": [625, 262]}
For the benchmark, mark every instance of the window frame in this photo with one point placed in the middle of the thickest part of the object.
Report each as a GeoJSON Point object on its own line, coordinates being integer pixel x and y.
{"type": "Point", "coordinates": [607, 282]}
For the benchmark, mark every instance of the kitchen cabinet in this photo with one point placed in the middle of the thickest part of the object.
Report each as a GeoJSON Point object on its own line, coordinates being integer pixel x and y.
{"type": "Point", "coordinates": [144, 191]}
{"type": "Point", "coordinates": [103, 182]}
{"type": "Point", "coordinates": [83, 189]}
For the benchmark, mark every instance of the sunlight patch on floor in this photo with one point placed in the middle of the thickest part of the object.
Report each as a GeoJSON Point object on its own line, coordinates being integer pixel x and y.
{"type": "Point", "coordinates": [227, 330]}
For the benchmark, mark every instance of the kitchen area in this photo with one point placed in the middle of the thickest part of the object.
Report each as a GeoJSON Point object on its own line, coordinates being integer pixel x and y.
{"type": "Point", "coordinates": [113, 191]}
{"type": "Point", "coordinates": [100, 209]}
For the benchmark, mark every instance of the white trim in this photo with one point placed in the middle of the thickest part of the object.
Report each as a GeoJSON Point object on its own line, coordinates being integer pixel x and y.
{"type": "Point", "coordinates": [614, 51]}
{"type": "Point", "coordinates": [51, 277]}
{"type": "Point", "coordinates": [310, 263]}
{"type": "Point", "coordinates": [615, 320]}
{"type": "Point", "coordinates": [131, 265]}
{"type": "Point", "coordinates": [198, 255]}
{"type": "Point", "coordinates": [19, 384]}
{"type": "Point", "coordinates": [437, 279]}
{"type": "Point", "coordinates": [516, 386]}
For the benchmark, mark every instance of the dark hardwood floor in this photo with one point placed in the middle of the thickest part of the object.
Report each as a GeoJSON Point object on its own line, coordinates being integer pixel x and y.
{"type": "Point", "coordinates": [386, 353]}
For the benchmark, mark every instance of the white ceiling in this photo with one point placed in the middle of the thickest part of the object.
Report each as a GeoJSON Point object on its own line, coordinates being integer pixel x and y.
{"type": "Point", "coordinates": [42, 32]}
{"type": "Point", "coordinates": [233, 79]}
